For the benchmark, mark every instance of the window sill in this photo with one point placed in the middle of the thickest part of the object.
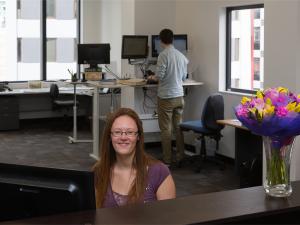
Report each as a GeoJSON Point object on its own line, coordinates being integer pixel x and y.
{"type": "Point", "coordinates": [236, 93]}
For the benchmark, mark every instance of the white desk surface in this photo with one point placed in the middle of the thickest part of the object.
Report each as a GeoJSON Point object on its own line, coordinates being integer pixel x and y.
{"type": "Point", "coordinates": [187, 82]}
{"type": "Point", "coordinates": [62, 90]}
{"type": "Point", "coordinates": [25, 91]}
{"type": "Point", "coordinates": [84, 88]}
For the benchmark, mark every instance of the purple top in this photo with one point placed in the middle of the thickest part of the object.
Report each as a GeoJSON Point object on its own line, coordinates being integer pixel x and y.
{"type": "Point", "coordinates": [157, 173]}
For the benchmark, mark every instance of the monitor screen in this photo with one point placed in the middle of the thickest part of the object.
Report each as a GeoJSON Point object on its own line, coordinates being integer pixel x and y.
{"type": "Point", "coordinates": [28, 191]}
{"type": "Point", "coordinates": [179, 42]}
{"type": "Point", "coordinates": [93, 54]}
{"type": "Point", "coordinates": [134, 46]}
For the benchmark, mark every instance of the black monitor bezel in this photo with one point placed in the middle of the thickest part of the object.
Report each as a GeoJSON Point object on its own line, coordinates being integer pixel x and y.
{"type": "Point", "coordinates": [136, 56]}
{"type": "Point", "coordinates": [103, 46]}
{"type": "Point", "coordinates": [176, 36]}
{"type": "Point", "coordinates": [33, 181]}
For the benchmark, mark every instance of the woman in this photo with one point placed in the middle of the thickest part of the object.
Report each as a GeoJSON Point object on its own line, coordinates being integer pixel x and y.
{"type": "Point", "coordinates": [125, 173]}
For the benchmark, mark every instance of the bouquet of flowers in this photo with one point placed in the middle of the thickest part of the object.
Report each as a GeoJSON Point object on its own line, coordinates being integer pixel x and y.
{"type": "Point", "coordinates": [275, 114]}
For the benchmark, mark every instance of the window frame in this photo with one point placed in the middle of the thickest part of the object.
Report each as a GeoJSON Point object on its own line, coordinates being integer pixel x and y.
{"type": "Point", "coordinates": [228, 46]}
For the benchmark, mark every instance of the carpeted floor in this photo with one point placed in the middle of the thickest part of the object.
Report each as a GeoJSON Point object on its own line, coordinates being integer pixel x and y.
{"type": "Point", "coordinates": [45, 143]}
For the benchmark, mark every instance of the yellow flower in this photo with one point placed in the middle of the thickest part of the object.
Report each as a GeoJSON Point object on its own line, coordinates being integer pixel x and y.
{"type": "Point", "coordinates": [269, 109]}
{"type": "Point", "coordinates": [257, 114]}
{"type": "Point", "coordinates": [268, 101]}
{"type": "Point", "coordinates": [282, 90]}
{"type": "Point", "coordinates": [291, 106]}
{"type": "Point", "coordinates": [245, 100]}
{"type": "Point", "coordinates": [297, 108]}
{"type": "Point", "coordinates": [259, 94]}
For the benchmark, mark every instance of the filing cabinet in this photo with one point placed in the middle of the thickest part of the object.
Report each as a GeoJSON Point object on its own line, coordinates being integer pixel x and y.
{"type": "Point", "coordinates": [9, 113]}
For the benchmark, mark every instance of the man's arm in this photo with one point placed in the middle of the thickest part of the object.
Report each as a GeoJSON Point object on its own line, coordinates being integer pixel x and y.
{"type": "Point", "coordinates": [161, 68]}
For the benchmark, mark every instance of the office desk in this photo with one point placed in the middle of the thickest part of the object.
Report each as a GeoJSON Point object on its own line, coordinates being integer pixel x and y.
{"type": "Point", "coordinates": [96, 104]}
{"type": "Point", "coordinates": [248, 205]}
{"type": "Point", "coordinates": [31, 103]}
{"type": "Point", "coordinates": [42, 91]}
{"type": "Point", "coordinates": [248, 154]}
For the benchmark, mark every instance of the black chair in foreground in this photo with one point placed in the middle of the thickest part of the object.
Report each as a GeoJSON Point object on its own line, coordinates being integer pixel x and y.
{"type": "Point", "coordinates": [213, 110]}
{"type": "Point", "coordinates": [59, 103]}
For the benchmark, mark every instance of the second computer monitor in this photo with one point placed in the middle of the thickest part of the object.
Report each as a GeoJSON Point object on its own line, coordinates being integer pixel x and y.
{"type": "Point", "coordinates": [134, 47]}
{"type": "Point", "coordinates": [179, 42]}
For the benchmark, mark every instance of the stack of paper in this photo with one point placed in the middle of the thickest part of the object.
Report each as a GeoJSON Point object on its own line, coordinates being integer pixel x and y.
{"type": "Point", "coordinates": [133, 82]}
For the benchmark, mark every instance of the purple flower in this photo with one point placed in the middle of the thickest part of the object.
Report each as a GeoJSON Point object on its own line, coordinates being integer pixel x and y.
{"type": "Point", "coordinates": [281, 111]}
{"type": "Point", "coordinates": [242, 111]}
{"type": "Point", "coordinates": [273, 112]}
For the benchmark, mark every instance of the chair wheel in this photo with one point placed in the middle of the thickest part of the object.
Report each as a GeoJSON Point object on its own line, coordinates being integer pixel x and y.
{"type": "Point", "coordinates": [70, 140]}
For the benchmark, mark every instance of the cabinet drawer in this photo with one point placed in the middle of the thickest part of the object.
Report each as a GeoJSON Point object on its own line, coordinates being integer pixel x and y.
{"type": "Point", "coordinates": [9, 121]}
{"type": "Point", "coordinates": [9, 104]}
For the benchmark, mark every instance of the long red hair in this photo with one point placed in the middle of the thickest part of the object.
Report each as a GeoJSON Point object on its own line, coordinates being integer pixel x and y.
{"type": "Point", "coordinates": [103, 167]}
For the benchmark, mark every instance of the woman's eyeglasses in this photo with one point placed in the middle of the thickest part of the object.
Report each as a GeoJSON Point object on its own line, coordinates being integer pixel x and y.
{"type": "Point", "coordinates": [128, 133]}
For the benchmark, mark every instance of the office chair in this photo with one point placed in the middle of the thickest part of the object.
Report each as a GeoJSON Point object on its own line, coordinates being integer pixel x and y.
{"type": "Point", "coordinates": [213, 110]}
{"type": "Point", "coordinates": [60, 103]}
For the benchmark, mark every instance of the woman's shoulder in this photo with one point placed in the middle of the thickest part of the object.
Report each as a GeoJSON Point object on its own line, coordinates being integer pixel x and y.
{"type": "Point", "coordinates": [158, 167]}
{"type": "Point", "coordinates": [157, 173]}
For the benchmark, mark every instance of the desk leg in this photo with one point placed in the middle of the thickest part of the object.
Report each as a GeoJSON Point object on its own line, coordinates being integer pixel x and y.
{"type": "Point", "coordinates": [95, 153]}
{"type": "Point", "coordinates": [75, 114]}
{"type": "Point", "coordinates": [74, 138]}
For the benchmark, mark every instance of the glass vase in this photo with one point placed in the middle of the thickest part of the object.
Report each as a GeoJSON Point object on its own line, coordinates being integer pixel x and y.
{"type": "Point", "coordinates": [278, 160]}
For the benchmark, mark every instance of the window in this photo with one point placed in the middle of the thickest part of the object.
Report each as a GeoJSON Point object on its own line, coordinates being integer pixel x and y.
{"type": "Point", "coordinates": [257, 38]}
{"type": "Point", "coordinates": [235, 49]}
{"type": "Point", "coordinates": [244, 48]}
{"type": "Point", "coordinates": [38, 39]}
{"type": "Point", "coordinates": [256, 13]}
{"type": "Point", "coordinates": [257, 69]}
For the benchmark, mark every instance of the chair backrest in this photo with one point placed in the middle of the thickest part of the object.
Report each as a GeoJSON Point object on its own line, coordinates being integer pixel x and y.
{"type": "Point", "coordinates": [213, 110]}
{"type": "Point", "coordinates": [54, 92]}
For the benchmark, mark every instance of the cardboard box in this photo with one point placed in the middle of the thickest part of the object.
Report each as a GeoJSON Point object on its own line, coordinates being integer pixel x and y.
{"type": "Point", "coordinates": [93, 76]}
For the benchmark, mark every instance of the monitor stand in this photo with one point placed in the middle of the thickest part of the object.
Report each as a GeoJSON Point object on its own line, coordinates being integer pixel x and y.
{"type": "Point", "coordinates": [93, 68]}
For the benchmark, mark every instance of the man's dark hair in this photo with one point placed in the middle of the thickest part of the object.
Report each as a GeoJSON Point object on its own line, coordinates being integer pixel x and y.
{"type": "Point", "coordinates": [166, 36]}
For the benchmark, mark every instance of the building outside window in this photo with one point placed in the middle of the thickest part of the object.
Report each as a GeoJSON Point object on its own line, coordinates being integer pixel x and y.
{"type": "Point", "coordinates": [245, 39]}
{"type": "Point", "coordinates": [25, 39]}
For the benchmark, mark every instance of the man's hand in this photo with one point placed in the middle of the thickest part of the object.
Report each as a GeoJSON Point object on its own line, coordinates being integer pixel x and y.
{"type": "Point", "coordinates": [152, 78]}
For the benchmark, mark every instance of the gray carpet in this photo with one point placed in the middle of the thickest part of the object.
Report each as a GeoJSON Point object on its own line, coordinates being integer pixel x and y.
{"type": "Point", "coordinates": [45, 143]}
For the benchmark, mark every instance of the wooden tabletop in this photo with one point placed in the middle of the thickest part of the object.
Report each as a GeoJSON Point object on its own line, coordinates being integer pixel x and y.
{"type": "Point", "coordinates": [232, 122]}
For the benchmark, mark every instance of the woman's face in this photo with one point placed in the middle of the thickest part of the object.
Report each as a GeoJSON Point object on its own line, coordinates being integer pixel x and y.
{"type": "Point", "coordinates": [124, 135]}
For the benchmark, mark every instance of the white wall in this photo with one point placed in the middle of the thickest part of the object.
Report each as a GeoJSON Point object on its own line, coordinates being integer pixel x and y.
{"type": "Point", "coordinates": [105, 21]}
{"type": "Point", "coordinates": [90, 21]}
{"type": "Point", "coordinates": [151, 16]}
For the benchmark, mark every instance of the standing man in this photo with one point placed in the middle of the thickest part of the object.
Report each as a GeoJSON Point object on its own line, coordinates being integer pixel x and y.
{"type": "Point", "coordinates": [171, 71]}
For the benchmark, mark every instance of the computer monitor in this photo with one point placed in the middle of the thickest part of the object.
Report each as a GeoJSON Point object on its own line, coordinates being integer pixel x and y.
{"type": "Point", "coordinates": [179, 42]}
{"type": "Point", "coordinates": [28, 191]}
{"type": "Point", "coordinates": [134, 47]}
{"type": "Point", "coordinates": [93, 54]}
